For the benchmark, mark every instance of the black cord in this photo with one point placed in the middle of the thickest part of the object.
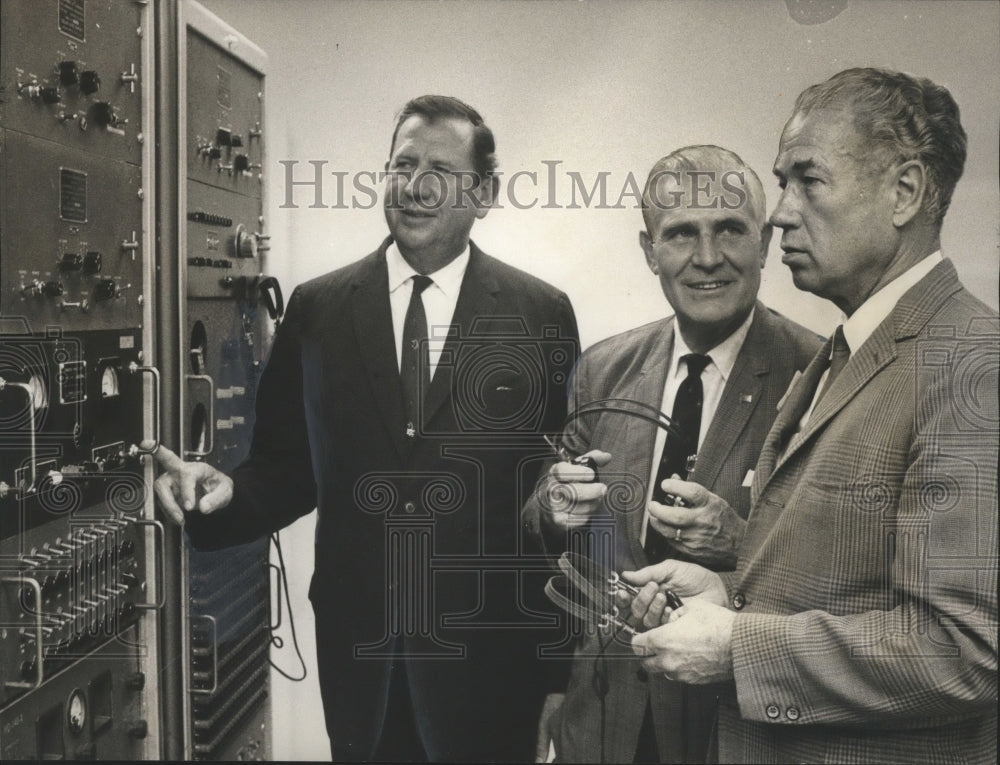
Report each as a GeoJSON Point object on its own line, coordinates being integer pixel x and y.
{"type": "Point", "coordinates": [599, 681]}
{"type": "Point", "coordinates": [276, 640]}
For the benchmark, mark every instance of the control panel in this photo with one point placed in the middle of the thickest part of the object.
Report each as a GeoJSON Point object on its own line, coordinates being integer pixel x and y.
{"type": "Point", "coordinates": [80, 554]}
{"type": "Point", "coordinates": [229, 305]}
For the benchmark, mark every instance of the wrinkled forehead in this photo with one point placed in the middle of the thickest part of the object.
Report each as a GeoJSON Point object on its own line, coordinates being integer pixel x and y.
{"type": "Point", "coordinates": [727, 190]}
{"type": "Point", "coordinates": [820, 136]}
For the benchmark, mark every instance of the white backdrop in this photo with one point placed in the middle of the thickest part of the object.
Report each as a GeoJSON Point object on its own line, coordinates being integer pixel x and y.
{"type": "Point", "coordinates": [587, 88]}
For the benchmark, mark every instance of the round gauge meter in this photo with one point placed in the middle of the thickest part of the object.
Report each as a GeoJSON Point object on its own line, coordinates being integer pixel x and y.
{"type": "Point", "coordinates": [76, 711]}
{"type": "Point", "coordinates": [109, 382]}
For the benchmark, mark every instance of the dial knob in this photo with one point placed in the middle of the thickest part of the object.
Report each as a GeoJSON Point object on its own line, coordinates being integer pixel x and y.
{"type": "Point", "coordinates": [52, 289]}
{"type": "Point", "coordinates": [135, 681]}
{"type": "Point", "coordinates": [70, 262]}
{"type": "Point", "coordinates": [246, 243]}
{"type": "Point", "coordinates": [90, 82]}
{"type": "Point", "coordinates": [49, 95]}
{"type": "Point", "coordinates": [92, 263]}
{"type": "Point", "coordinates": [104, 114]}
{"type": "Point", "coordinates": [106, 289]}
{"type": "Point", "coordinates": [68, 73]}
{"type": "Point", "coordinates": [241, 163]}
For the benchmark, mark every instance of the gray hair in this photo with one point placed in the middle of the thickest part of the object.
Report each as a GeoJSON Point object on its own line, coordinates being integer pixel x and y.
{"type": "Point", "coordinates": [906, 118]}
{"type": "Point", "coordinates": [708, 159]}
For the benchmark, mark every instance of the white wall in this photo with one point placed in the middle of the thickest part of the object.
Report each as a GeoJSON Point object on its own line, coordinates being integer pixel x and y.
{"type": "Point", "coordinates": [597, 86]}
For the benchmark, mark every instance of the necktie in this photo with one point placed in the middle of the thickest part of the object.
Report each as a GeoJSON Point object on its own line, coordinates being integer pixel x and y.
{"type": "Point", "coordinates": [414, 368]}
{"type": "Point", "coordinates": [838, 359]}
{"type": "Point", "coordinates": [680, 446]}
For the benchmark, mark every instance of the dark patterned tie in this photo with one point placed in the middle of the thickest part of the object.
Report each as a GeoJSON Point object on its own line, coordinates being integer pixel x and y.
{"type": "Point", "coordinates": [681, 446]}
{"type": "Point", "coordinates": [414, 368]}
{"type": "Point", "coordinates": [838, 359]}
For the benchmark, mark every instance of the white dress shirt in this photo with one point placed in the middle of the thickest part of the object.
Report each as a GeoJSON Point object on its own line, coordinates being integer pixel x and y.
{"type": "Point", "coordinates": [440, 299]}
{"type": "Point", "coordinates": [864, 321]}
{"type": "Point", "coordinates": [713, 382]}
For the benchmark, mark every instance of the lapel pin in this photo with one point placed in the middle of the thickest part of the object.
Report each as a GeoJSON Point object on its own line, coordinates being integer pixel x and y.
{"type": "Point", "coordinates": [747, 398]}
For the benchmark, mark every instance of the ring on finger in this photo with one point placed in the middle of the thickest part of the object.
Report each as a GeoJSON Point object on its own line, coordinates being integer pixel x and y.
{"type": "Point", "coordinates": [677, 535]}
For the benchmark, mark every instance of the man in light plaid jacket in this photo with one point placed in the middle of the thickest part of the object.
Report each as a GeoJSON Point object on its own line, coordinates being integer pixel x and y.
{"type": "Point", "coordinates": [860, 624]}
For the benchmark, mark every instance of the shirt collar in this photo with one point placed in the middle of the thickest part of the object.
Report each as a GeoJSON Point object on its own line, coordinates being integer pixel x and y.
{"type": "Point", "coordinates": [723, 355]}
{"type": "Point", "coordinates": [863, 322]}
{"type": "Point", "coordinates": [447, 279]}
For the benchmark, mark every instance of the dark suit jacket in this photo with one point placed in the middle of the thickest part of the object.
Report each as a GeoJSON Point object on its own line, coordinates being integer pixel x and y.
{"type": "Point", "coordinates": [867, 581]}
{"type": "Point", "coordinates": [634, 365]}
{"type": "Point", "coordinates": [418, 546]}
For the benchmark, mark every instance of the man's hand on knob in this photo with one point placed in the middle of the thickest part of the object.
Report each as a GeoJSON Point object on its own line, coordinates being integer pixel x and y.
{"type": "Point", "coordinates": [186, 486]}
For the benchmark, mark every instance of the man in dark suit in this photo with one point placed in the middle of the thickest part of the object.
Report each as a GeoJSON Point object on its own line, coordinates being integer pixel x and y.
{"type": "Point", "coordinates": [404, 396]}
{"type": "Point", "coordinates": [860, 624]}
{"type": "Point", "coordinates": [706, 240]}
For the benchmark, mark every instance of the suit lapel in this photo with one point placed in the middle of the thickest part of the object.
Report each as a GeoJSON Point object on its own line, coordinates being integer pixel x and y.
{"type": "Point", "coordinates": [906, 320]}
{"type": "Point", "coordinates": [639, 438]}
{"type": "Point", "coordinates": [739, 399]}
{"type": "Point", "coordinates": [477, 298]}
{"type": "Point", "coordinates": [794, 405]}
{"type": "Point", "coordinates": [373, 327]}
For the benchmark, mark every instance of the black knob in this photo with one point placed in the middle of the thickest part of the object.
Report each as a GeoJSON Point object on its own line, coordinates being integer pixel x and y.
{"type": "Point", "coordinates": [236, 140]}
{"type": "Point", "coordinates": [92, 263]}
{"type": "Point", "coordinates": [90, 82]}
{"type": "Point", "coordinates": [106, 289]}
{"type": "Point", "coordinates": [223, 137]}
{"type": "Point", "coordinates": [49, 95]}
{"type": "Point", "coordinates": [135, 681]}
{"type": "Point", "coordinates": [214, 152]}
{"type": "Point", "coordinates": [52, 289]}
{"type": "Point", "coordinates": [70, 262]}
{"type": "Point", "coordinates": [68, 73]}
{"type": "Point", "coordinates": [240, 163]}
{"type": "Point", "coordinates": [104, 114]}
{"type": "Point", "coordinates": [138, 729]}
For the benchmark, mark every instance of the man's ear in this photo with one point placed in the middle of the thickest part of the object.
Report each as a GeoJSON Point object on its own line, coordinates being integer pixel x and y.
{"type": "Point", "coordinates": [486, 194]}
{"type": "Point", "coordinates": [765, 242]}
{"type": "Point", "coordinates": [910, 187]}
{"type": "Point", "coordinates": [647, 247]}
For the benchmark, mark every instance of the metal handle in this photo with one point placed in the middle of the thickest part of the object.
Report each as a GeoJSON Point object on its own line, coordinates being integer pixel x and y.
{"type": "Point", "coordinates": [39, 636]}
{"type": "Point", "coordinates": [277, 570]}
{"type": "Point", "coordinates": [134, 368]}
{"type": "Point", "coordinates": [161, 594]}
{"type": "Point", "coordinates": [210, 435]}
{"type": "Point", "coordinates": [31, 408]}
{"type": "Point", "coordinates": [215, 656]}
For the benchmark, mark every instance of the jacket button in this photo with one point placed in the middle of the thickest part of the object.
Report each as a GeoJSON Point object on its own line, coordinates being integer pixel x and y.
{"type": "Point", "coordinates": [772, 711]}
{"type": "Point", "coordinates": [792, 713]}
{"type": "Point", "coordinates": [409, 507]}
{"type": "Point", "coordinates": [642, 674]}
{"type": "Point", "coordinates": [739, 600]}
